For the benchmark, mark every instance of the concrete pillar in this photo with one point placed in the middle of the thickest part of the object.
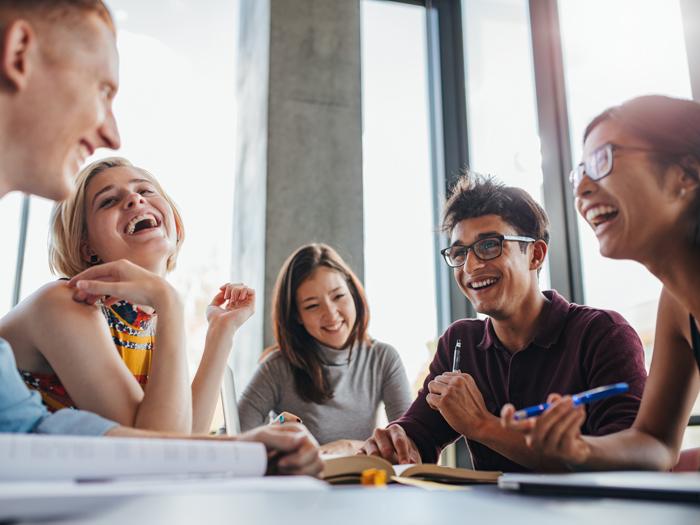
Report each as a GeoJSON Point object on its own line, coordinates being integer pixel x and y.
{"type": "Point", "coordinates": [299, 146]}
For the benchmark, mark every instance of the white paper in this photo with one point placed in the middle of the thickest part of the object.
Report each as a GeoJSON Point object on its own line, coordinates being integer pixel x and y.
{"type": "Point", "coordinates": [399, 469]}
{"type": "Point", "coordinates": [40, 457]}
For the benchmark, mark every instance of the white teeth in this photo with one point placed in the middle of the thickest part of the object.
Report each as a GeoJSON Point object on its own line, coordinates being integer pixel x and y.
{"type": "Point", "coordinates": [481, 284]}
{"type": "Point", "coordinates": [597, 211]}
{"type": "Point", "coordinates": [133, 222]}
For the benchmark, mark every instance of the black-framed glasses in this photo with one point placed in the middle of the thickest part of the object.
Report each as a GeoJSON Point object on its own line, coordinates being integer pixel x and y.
{"type": "Point", "coordinates": [485, 249]}
{"type": "Point", "coordinates": [599, 164]}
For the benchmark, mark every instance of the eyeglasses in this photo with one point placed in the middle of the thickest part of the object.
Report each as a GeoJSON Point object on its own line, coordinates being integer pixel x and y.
{"type": "Point", "coordinates": [600, 163]}
{"type": "Point", "coordinates": [484, 249]}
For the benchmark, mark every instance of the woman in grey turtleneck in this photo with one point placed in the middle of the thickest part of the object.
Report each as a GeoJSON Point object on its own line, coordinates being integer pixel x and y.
{"type": "Point", "coordinates": [324, 367]}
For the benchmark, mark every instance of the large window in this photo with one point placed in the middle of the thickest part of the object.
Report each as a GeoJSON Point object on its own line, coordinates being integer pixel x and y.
{"type": "Point", "coordinates": [643, 52]}
{"type": "Point", "coordinates": [10, 211]}
{"type": "Point", "coordinates": [399, 230]}
{"type": "Point", "coordinates": [176, 115]}
{"type": "Point", "coordinates": [501, 104]}
{"type": "Point", "coordinates": [176, 111]}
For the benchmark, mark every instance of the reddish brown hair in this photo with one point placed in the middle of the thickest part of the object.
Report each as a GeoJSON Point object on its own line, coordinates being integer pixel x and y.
{"type": "Point", "coordinates": [672, 127]}
{"type": "Point", "coordinates": [54, 10]}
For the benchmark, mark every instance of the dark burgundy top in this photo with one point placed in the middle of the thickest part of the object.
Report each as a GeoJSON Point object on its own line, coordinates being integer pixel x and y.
{"type": "Point", "coordinates": [575, 348]}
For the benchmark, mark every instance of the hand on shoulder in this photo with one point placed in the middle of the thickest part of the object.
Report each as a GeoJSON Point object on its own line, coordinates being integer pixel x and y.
{"type": "Point", "coordinates": [55, 299]}
{"type": "Point", "coordinates": [123, 280]}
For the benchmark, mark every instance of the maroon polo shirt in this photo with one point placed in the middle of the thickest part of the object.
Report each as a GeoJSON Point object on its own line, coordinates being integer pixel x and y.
{"type": "Point", "coordinates": [575, 348]}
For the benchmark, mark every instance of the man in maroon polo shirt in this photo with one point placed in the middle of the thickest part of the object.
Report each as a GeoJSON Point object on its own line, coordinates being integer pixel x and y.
{"type": "Point", "coordinates": [532, 342]}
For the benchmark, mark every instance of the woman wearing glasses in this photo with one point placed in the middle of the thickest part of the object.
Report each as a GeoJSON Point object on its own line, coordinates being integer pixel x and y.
{"type": "Point", "coordinates": [637, 187]}
{"type": "Point", "coordinates": [325, 368]}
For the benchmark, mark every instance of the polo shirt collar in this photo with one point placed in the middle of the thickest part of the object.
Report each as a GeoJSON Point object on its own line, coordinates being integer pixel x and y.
{"type": "Point", "coordinates": [551, 324]}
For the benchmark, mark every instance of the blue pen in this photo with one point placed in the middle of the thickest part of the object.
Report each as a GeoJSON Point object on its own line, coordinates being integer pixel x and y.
{"type": "Point", "coordinates": [581, 398]}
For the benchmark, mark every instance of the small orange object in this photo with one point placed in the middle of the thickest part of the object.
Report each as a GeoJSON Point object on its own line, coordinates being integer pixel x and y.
{"type": "Point", "coordinates": [373, 477]}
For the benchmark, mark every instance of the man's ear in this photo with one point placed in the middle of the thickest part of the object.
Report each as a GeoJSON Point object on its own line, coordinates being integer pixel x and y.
{"type": "Point", "coordinates": [18, 44]}
{"type": "Point", "coordinates": [539, 253]}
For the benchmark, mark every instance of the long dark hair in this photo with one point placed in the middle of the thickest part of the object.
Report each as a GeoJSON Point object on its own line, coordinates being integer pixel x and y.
{"type": "Point", "coordinates": [669, 125]}
{"type": "Point", "coordinates": [296, 344]}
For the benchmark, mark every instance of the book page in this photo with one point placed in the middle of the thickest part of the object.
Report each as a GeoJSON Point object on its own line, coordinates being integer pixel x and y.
{"type": "Point", "coordinates": [40, 457]}
{"type": "Point", "coordinates": [398, 469]}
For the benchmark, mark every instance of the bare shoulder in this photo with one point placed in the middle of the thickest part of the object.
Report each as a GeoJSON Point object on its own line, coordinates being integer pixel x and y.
{"type": "Point", "coordinates": [35, 304]}
{"type": "Point", "coordinates": [51, 312]}
{"type": "Point", "coordinates": [41, 318]}
{"type": "Point", "coordinates": [55, 300]}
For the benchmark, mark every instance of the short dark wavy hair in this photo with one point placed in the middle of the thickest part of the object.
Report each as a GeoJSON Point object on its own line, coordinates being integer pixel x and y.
{"type": "Point", "coordinates": [475, 195]}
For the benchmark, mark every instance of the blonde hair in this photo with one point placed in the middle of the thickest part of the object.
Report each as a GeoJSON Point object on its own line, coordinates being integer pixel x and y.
{"type": "Point", "coordinates": [69, 220]}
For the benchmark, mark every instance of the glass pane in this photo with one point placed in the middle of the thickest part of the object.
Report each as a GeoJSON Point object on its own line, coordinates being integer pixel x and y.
{"type": "Point", "coordinates": [36, 263]}
{"type": "Point", "coordinates": [176, 114]}
{"type": "Point", "coordinates": [10, 211]}
{"type": "Point", "coordinates": [501, 109]}
{"type": "Point", "coordinates": [643, 52]}
{"type": "Point", "coordinates": [397, 181]}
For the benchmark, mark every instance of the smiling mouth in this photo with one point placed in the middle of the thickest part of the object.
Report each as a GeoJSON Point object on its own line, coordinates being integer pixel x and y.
{"type": "Point", "coordinates": [333, 328]}
{"type": "Point", "coordinates": [483, 283]}
{"type": "Point", "coordinates": [599, 215]}
{"type": "Point", "coordinates": [141, 223]}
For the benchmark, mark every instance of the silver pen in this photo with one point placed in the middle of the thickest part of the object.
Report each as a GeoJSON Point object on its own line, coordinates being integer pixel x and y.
{"type": "Point", "coordinates": [457, 356]}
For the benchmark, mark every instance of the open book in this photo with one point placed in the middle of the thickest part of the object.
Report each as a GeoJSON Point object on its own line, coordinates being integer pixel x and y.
{"type": "Point", "coordinates": [39, 457]}
{"type": "Point", "coordinates": [348, 469]}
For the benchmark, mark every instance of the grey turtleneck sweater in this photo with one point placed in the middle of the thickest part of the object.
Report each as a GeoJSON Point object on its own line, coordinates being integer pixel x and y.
{"type": "Point", "coordinates": [360, 379]}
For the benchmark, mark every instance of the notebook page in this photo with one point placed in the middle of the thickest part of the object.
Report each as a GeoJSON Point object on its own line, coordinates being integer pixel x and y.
{"type": "Point", "coordinates": [40, 457]}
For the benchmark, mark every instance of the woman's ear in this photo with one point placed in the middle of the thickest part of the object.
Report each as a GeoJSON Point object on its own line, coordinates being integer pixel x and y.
{"type": "Point", "coordinates": [539, 253]}
{"type": "Point", "coordinates": [85, 252]}
{"type": "Point", "coordinates": [88, 255]}
{"type": "Point", "coordinates": [689, 178]}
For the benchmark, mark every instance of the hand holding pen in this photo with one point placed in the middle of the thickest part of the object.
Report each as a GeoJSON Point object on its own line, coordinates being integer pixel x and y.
{"type": "Point", "coordinates": [556, 433]}
{"type": "Point", "coordinates": [285, 417]}
{"type": "Point", "coordinates": [581, 398]}
{"type": "Point", "coordinates": [459, 400]}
